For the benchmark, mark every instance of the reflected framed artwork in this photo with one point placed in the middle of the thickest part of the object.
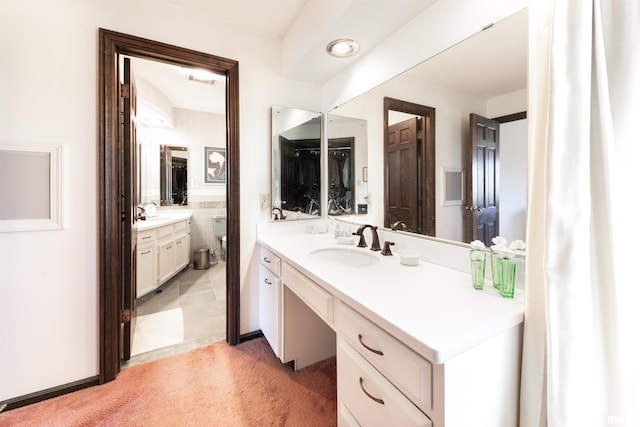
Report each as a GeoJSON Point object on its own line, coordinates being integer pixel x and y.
{"type": "Point", "coordinates": [215, 165]}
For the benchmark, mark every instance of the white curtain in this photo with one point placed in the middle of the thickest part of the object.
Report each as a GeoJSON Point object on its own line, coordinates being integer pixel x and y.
{"type": "Point", "coordinates": [581, 354]}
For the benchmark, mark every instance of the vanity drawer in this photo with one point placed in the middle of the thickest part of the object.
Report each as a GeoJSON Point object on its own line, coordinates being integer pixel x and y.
{"type": "Point", "coordinates": [410, 372]}
{"type": "Point", "coordinates": [313, 295]}
{"type": "Point", "coordinates": [164, 231]}
{"type": "Point", "coordinates": [146, 236]}
{"type": "Point", "coordinates": [270, 260]}
{"type": "Point", "coordinates": [180, 227]}
{"type": "Point", "coordinates": [369, 397]}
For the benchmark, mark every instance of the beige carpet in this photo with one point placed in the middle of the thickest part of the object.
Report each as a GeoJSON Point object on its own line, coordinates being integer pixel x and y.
{"type": "Point", "coordinates": [217, 385]}
{"type": "Point", "coordinates": [158, 330]}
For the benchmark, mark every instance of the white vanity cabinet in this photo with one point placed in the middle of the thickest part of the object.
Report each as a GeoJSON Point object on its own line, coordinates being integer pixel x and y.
{"type": "Point", "coordinates": [410, 373]}
{"type": "Point", "coordinates": [162, 252]}
{"type": "Point", "coordinates": [479, 387]}
{"type": "Point", "coordinates": [270, 296]}
{"type": "Point", "coordinates": [410, 351]}
{"type": "Point", "coordinates": [293, 313]}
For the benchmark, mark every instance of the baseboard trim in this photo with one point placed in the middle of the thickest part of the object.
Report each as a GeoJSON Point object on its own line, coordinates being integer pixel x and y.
{"type": "Point", "coordinates": [250, 336]}
{"type": "Point", "coordinates": [49, 393]}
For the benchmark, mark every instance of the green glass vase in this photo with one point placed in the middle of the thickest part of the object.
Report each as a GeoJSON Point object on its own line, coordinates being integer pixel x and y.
{"type": "Point", "coordinates": [507, 277]}
{"type": "Point", "coordinates": [478, 262]}
{"type": "Point", "coordinates": [495, 271]}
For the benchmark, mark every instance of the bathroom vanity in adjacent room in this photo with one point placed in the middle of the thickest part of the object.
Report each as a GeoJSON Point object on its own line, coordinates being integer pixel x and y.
{"type": "Point", "coordinates": [162, 249]}
{"type": "Point", "coordinates": [415, 345]}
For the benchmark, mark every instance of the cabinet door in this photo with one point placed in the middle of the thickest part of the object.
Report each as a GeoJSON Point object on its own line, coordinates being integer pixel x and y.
{"type": "Point", "coordinates": [166, 266]}
{"type": "Point", "coordinates": [269, 311]}
{"type": "Point", "coordinates": [146, 274]}
{"type": "Point", "coordinates": [181, 253]}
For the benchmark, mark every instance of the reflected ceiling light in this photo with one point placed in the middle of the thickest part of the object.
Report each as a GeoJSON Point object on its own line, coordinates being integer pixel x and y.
{"type": "Point", "coordinates": [202, 76]}
{"type": "Point", "coordinates": [343, 48]}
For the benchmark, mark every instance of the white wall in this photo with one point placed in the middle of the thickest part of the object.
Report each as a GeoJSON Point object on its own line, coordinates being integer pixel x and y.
{"type": "Point", "coordinates": [49, 304]}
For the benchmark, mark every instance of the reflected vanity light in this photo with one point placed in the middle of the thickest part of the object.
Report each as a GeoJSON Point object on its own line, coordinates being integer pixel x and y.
{"type": "Point", "coordinates": [343, 48]}
{"type": "Point", "coordinates": [202, 76]}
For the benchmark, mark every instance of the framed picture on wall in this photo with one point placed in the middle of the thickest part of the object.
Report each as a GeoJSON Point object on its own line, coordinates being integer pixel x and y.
{"type": "Point", "coordinates": [215, 164]}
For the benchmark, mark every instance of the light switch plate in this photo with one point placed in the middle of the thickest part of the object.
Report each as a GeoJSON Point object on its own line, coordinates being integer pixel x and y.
{"type": "Point", "coordinates": [264, 201]}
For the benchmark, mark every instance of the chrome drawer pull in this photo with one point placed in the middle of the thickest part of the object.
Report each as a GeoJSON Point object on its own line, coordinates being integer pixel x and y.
{"type": "Point", "coordinates": [267, 282]}
{"type": "Point", "coordinates": [372, 350]}
{"type": "Point", "coordinates": [266, 260]}
{"type": "Point", "coordinates": [375, 399]}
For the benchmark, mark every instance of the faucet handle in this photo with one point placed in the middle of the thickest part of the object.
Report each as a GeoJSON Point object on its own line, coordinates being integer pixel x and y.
{"type": "Point", "coordinates": [387, 249]}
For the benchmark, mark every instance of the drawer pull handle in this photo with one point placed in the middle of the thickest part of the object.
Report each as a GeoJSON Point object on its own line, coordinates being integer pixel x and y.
{"type": "Point", "coordinates": [145, 252]}
{"type": "Point", "coordinates": [267, 282]}
{"type": "Point", "coordinates": [375, 399]}
{"type": "Point", "coordinates": [146, 237]}
{"type": "Point", "coordinates": [267, 260]}
{"type": "Point", "coordinates": [372, 350]}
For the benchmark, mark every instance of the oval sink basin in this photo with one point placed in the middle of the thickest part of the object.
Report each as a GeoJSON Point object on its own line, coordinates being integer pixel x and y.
{"type": "Point", "coordinates": [355, 258]}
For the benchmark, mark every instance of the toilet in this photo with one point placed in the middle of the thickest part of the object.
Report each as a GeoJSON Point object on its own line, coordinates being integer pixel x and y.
{"type": "Point", "coordinates": [220, 232]}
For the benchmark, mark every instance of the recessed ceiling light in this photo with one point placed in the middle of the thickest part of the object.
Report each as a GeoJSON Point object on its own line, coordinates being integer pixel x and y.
{"type": "Point", "coordinates": [343, 48]}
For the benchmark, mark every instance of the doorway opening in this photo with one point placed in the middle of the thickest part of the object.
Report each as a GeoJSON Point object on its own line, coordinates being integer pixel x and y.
{"type": "Point", "coordinates": [117, 191]}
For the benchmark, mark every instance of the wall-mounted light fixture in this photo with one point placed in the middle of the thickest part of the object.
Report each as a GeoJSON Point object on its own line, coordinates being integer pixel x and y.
{"type": "Point", "coordinates": [342, 48]}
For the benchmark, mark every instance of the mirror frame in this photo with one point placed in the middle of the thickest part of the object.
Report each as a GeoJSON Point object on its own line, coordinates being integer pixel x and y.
{"type": "Point", "coordinates": [427, 162]}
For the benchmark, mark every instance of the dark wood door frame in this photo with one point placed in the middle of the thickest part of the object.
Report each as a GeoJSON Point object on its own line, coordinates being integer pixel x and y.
{"type": "Point", "coordinates": [111, 45]}
{"type": "Point", "coordinates": [427, 161]}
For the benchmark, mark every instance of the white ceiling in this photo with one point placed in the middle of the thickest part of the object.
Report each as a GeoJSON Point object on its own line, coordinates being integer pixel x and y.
{"type": "Point", "coordinates": [306, 26]}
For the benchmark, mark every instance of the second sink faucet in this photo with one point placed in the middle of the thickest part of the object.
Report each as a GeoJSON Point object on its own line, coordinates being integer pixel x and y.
{"type": "Point", "coordinates": [275, 215]}
{"type": "Point", "coordinates": [375, 242]}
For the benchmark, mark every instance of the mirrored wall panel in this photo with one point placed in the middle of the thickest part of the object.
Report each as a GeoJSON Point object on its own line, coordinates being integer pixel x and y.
{"type": "Point", "coordinates": [428, 180]}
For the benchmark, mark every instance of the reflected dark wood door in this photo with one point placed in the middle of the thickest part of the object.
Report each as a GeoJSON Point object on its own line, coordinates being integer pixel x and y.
{"type": "Point", "coordinates": [482, 198]}
{"type": "Point", "coordinates": [402, 174]}
{"type": "Point", "coordinates": [128, 97]}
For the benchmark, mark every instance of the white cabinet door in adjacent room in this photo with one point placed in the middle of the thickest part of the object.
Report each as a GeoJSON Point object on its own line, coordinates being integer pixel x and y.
{"type": "Point", "coordinates": [166, 265]}
{"type": "Point", "coordinates": [181, 252]}
{"type": "Point", "coordinates": [146, 270]}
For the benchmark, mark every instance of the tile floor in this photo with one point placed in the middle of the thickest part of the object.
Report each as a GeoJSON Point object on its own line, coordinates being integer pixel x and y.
{"type": "Point", "coordinates": [202, 296]}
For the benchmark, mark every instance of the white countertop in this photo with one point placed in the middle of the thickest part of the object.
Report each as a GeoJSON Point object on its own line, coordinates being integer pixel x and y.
{"type": "Point", "coordinates": [162, 218]}
{"type": "Point", "coordinates": [432, 309]}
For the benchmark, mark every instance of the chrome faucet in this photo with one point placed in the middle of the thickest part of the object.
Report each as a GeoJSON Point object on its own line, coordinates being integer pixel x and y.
{"type": "Point", "coordinates": [275, 215]}
{"type": "Point", "coordinates": [375, 243]}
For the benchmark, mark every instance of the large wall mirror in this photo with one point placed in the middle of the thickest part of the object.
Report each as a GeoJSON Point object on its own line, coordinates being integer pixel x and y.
{"type": "Point", "coordinates": [484, 76]}
{"type": "Point", "coordinates": [296, 163]}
